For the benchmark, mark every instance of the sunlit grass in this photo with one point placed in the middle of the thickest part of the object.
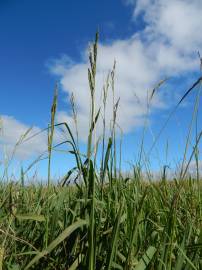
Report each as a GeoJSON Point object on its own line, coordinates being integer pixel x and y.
{"type": "Point", "coordinates": [100, 219]}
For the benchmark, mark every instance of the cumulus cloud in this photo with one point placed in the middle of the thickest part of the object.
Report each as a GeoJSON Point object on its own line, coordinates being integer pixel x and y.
{"type": "Point", "coordinates": [176, 21]}
{"type": "Point", "coordinates": [165, 47]}
{"type": "Point", "coordinates": [130, 82]}
{"type": "Point", "coordinates": [14, 132]}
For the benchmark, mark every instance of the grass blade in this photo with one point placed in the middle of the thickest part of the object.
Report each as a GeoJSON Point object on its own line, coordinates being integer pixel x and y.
{"type": "Point", "coordinates": [67, 232]}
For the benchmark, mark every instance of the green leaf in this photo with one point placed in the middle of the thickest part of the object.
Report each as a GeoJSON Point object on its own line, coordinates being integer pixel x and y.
{"type": "Point", "coordinates": [30, 217]}
{"type": "Point", "coordinates": [115, 234]}
{"type": "Point", "coordinates": [57, 241]}
{"type": "Point", "coordinates": [95, 121]}
{"type": "Point", "coordinates": [1, 257]}
{"type": "Point", "coordinates": [186, 258]}
{"type": "Point", "coordinates": [146, 258]}
{"type": "Point", "coordinates": [76, 262]}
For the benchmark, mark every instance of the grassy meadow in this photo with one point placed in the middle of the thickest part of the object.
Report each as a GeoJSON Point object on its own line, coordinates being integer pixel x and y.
{"type": "Point", "coordinates": [97, 218]}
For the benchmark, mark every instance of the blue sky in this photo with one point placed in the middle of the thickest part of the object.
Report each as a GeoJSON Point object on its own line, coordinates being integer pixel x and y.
{"type": "Point", "coordinates": [34, 32]}
{"type": "Point", "coordinates": [45, 41]}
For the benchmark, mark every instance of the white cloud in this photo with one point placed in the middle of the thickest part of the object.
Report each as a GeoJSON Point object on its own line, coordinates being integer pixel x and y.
{"type": "Point", "coordinates": [193, 166]}
{"type": "Point", "coordinates": [11, 132]}
{"type": "Point", "coordinates": [177, 21]}
{"type": "Point", "coordinates": [165, 47]}
{"type": "Point", "coordinates": [129, 81]}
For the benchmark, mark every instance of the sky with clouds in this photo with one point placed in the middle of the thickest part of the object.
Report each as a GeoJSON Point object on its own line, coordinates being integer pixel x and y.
{"type": "Point", "coordinates": [150, 40]}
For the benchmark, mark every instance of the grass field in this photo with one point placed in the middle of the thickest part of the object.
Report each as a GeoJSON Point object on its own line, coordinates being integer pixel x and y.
{"type": "Point", "coordinates": [97, 219]}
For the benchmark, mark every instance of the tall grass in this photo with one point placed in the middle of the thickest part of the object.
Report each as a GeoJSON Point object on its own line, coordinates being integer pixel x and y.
{"type": "Point", "coordinates": [97, 219]}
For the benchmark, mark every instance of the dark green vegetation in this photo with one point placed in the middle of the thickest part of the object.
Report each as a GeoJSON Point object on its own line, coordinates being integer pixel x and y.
{"type": "Point", "coordinates": [135, 226]}
{"type": "Point", "coordinates": [103, 220]}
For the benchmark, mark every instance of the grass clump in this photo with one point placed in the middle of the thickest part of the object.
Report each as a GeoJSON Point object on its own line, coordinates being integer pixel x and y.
{"type": "Point", "coordinates": [102, 220]}
{"type": "Point", "coordinates": [136, 226]}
